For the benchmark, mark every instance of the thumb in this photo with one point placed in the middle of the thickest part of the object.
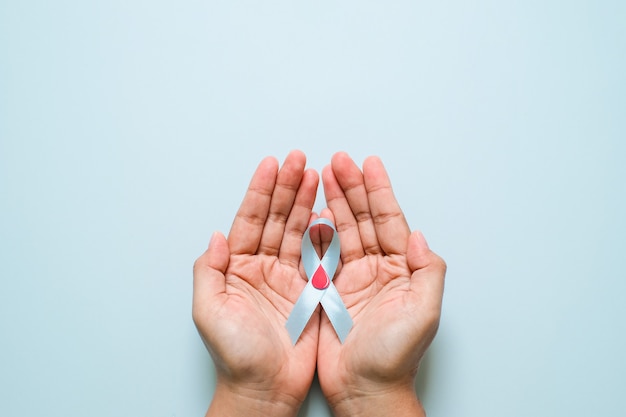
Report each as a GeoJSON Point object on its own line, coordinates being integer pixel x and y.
{"type": "Point", "coordinates": [428, 270]}
{"type": "Point", "coordinates": [209, 281]}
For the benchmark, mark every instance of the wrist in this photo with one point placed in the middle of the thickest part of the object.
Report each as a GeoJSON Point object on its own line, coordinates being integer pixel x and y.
{"type": "Point", "coordinates": [232, 401]}
{"type": "Point", "coordinates": [397, 401]}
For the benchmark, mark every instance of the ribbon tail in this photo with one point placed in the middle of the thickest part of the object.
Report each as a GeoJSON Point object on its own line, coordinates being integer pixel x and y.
{"type": "Point", "coordinates": [337, 312]}
{"type": "Point", "coordinates": [302, 311]}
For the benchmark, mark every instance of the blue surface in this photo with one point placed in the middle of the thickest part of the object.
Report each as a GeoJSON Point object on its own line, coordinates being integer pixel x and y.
{"type": "Point", "coordinates": [129, 131]}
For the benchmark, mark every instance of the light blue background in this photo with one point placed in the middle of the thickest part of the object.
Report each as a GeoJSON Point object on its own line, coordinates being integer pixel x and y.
{"type": "Point", "coordinates": [129, 131]}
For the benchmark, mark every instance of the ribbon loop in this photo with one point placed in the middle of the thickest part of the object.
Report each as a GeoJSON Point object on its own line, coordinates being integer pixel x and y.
{"type": "Point", "coordinates": [319, 289]}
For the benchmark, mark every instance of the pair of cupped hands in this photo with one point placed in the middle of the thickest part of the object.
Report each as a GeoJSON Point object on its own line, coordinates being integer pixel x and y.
{"type": "Point", "coordinates": [245, 287]}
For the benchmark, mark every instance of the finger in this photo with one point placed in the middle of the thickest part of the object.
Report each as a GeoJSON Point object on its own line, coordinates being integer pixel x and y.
{"type": "Point", "coordinates": [316, 240]}
{"type": "Point", "coordinates": [391, 226]}
{"type": "Point", "coordinates": [247, 229]}
{"type": "Point", "coordinates": [326, 233]}
{"type": "Point", "coordinates": [209, 282]}
{"type": "Point", "coordinates": [299, 218]}
{"type": "Point", "coordinates": [345, 222]}
{"type": "Point", "coordinates": [428, 272]}
{"type": "Point", "coordinates": [283, 197]}
{"type": "Point", "coordinates": [350, 179]}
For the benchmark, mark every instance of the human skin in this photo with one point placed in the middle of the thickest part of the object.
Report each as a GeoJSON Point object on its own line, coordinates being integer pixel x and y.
{"type": "Point", "coordinates": [392, 285]}
{"type": "Point", "coordinates": [245, 287]}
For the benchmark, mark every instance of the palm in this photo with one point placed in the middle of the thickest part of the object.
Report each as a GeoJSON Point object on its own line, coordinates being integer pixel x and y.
{"type": "Point", "coordinates": [392, 304]}
{"type": "Point", "coordinates": [246, 285]}
{"type": "Point", "coordinates": [259, 296]}
{"type": "Point", "coordinates": [375, 301]}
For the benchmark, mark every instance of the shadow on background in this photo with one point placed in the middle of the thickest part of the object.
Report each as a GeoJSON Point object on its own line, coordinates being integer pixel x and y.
{"type": "Point", "coordinates": [315, 404]}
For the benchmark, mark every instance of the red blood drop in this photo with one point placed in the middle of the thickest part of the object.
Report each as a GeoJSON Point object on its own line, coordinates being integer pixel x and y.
{"type": "Point", "coordinates": [320, 279]}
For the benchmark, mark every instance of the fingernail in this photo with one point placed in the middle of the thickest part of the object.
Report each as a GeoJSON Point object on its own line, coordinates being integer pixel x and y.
{"type": "Point", "coordinates": [422, 240]}
{"type": "Point", "coordinates": [212, 238]}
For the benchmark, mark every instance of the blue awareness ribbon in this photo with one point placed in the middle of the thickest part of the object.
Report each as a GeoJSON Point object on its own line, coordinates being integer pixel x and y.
{"type": "Point", "coordinates": [319, 288]}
